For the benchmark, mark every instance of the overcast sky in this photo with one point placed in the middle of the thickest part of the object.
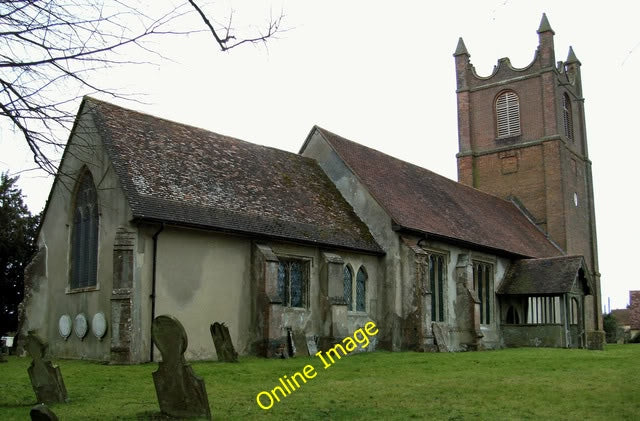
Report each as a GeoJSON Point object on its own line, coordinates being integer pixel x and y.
{"type": "Point", "coordinates": [382, 74]}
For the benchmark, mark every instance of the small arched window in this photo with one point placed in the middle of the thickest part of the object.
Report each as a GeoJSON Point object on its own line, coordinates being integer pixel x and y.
{"type": "Point", "coordinates": [348, 287]}
{"type": "Point", "coordinates": [567, 116]}
{"type": "Point", "coordinates": [84, 236]}
{"type": "Point", "coordinates": [508, 114]}
{"type": "Point", "coordinates": [361, 290]}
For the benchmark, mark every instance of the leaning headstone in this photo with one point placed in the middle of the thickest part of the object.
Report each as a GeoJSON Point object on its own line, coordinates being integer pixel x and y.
{"type": "Point", "coordinates": [46, 378]}
{"type": "Point", "coordinates": [440, 336]}
{"type": "Point", "coordinates": [300, 342]}
{"type": "Point", "coordinates": [222, 341]}
{"type": "Point", "coordinates": [180, 392]}
{"type": "Point", "coordinates": [41, 412]}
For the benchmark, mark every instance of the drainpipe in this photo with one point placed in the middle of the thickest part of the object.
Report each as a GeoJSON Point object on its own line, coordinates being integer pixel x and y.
{"type": "Point", "coordinates": [153, 283]}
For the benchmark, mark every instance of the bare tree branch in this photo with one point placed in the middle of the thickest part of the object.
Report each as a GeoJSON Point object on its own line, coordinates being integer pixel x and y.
{"type": "Point", "coordinates": [50, 49]}
{"type": "Point", "coordinates": [273, 27]}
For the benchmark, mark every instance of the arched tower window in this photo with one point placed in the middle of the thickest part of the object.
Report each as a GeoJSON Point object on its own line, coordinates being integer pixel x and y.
{"type": "Point", "coordinates": [361, 290]}
{"type": "Point", "coordinates": [567, 116]}
{"type": "Point", "coordinates": [508, 114]}
{"type": "Point", "coordinates": [84, 235]}
{"type": "Point", "coordinates": [348, 287]}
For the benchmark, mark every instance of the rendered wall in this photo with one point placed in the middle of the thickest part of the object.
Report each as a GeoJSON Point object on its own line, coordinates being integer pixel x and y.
{"type": "Point", "coordinates": [50, 295]}
{"type": "Point", "coordinates": [403, 312]}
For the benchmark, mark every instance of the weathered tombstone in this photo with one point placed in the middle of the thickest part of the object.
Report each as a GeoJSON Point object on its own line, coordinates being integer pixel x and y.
{"type": "Point", "coordinates": [311, 345]}
{"type": "Point", "coordinates": [300, 343]}
{"type": "Point", "coordinates": [440, 335]}
{"type": "Point", "coordinates": [180, 392]}
{"type": "Point", "coordinates": [222, 341]}
{"type": "Point", "coordinates": [41, 412]}
{"type": "Point", "coordinates": [46, 378]}
{"type": "Point", "coordinates": [3, 346]}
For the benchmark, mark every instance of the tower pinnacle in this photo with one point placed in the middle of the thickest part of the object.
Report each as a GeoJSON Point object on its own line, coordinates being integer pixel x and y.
{"type": "Point", "coordinates": [544, 25]}
{"type": "Point", "coordinates": [461, 49]}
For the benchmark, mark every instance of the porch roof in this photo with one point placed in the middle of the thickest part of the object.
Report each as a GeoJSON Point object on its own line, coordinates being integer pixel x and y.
{"type": "Point", "coordinates": [547, 276]}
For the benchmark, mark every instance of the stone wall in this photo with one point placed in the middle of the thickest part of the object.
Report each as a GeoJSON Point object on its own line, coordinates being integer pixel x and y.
{"type": "Point", "coordinates": [533, 336]}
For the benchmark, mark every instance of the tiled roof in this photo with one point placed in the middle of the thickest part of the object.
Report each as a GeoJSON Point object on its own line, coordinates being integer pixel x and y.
{"type": "Point", "coordinates": [420, 200]}
{"type": "Point", "coordinates": [622, 316]}
{"type": "Point", "coordinates": [184, 175]}
{"type": "Point", "coordinates": [554, 275]}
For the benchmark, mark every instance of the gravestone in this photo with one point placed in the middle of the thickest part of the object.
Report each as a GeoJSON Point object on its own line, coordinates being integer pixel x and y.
{"type": "Point", "coordinates": [300, 343]}
{"type": "Point", "coordinates": [439, 331]}
{"type": "Point", "coordinates": [311, 345]}
{"type": "Point", "coordinates": [180, 392]}
{"type": "Point", "coordinates": [3, 346]}
{"type": "Point", "coordinates": [46, 378]}
{"type": "Point", "coordinates": [41, 412]}
{"type": "Point", "coordinates": [222, 341]}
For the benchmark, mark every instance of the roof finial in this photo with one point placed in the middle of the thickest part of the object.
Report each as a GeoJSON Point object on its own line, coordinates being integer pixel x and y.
{"type": "Point", "coordinates": [544, 25]}
{"type": "Point", "coordinates": [571, 57]}
{"type": "Point", "coordinates": [461, 48]}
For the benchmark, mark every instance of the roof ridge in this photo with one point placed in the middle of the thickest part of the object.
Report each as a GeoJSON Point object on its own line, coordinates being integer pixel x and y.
{"type": "Point", "coordinates": [177, 123]}
{"type": "Point", "coordinates": [452, 207]}
{"type": "Point", "coordinates": [213, 181]}
{"type": "Point", "coordinates": [447, 179]}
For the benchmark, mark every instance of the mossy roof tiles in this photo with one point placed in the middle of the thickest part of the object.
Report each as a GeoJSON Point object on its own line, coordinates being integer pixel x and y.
{"type": "Point", "coordinates": [420, 200]}
{"type": "Point", "coordinates": [546, 276]}
{"type": "Point", "coordinates": [184, 175]}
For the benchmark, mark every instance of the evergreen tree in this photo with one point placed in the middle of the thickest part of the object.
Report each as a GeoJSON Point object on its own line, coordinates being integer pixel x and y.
{"type": "Point", "coordinates": [610, 327]}
{"type": "Point", "coordinates": [18, 229]}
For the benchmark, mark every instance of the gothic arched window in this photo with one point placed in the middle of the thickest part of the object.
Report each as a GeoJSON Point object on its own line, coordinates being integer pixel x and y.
{"type": "Point", "coordinates": [348, 287]}
{"type": "Point", "coordinates": [508, 114]}
{"type": "Point", "coordinates": [84, 234]}
{"type": "Point", "coordinates": [361, 290]}
{"type": "Point", "coordinates": [567, 116]}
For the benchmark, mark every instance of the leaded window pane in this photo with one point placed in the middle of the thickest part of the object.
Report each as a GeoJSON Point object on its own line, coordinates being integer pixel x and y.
{"type": "Point", "coordinates": [487, 300]}
{"type": "Point", "coordinates": [361, 292]}
{"type": "Point", "coordinates": [436, 283]}
{"type": "Point", "coordinates": [348, 287]}
{"type": "Point", "coordinates": [293, 282]}
{"type": "Point", "coordinates": [84, 237]}
{"type": "Point", "coordinates": [440, 290]}
{"type": "Point", "coordinates": [297, 299]}
{"type": "Point", "coordinates": [282, 289]}
{"type": "Point", "coordinates": [482, 281]}
{"type": "Point", "coordinates": [432, 285]}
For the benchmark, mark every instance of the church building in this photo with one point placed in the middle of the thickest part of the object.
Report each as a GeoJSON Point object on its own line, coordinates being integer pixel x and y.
{"type": "Point", "coordinates": [148, 216]}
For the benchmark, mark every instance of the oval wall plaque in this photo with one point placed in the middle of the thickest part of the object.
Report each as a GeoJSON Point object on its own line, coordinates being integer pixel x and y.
{"type": "Point", "coordinates": [80, 325]}
{"type": "Point", "coordinates": [64, 326]}
{"type": "Point", "coordinates": [99, 325]}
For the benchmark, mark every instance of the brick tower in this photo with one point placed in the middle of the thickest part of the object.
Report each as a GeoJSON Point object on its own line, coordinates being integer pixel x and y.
{"type": "Point", "coordinates": [522, 137]}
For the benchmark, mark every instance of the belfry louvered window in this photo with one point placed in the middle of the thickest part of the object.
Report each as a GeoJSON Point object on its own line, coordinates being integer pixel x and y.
{"type": "Point", "coordinates": [84, 237]}
{"type": "Point", "coordinates": [567, 116]}
{"type": "Point", "coordinates": [508, 114]}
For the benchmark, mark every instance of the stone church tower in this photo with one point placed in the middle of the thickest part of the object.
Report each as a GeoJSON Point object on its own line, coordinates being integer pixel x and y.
{"type": "Point", "coordinates": [522, 137]}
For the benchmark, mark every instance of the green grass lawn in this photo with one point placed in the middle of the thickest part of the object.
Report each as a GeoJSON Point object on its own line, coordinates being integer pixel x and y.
{"type": "Point", "coordinates": [525, 383]}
